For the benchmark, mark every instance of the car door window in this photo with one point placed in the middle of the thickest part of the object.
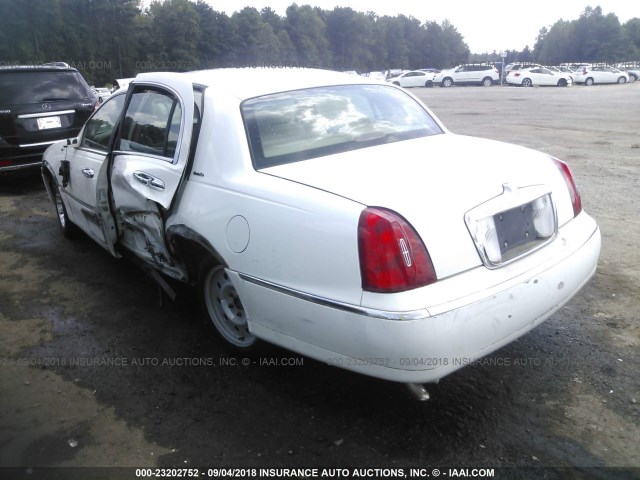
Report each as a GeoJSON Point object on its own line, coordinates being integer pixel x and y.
{"type": "Point", "coordinates": [152, 123]}
{"type": "Point", "coordinates": [99, 128]}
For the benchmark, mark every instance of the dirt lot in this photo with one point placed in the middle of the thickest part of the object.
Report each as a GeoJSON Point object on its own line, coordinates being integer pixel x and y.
{"type": "Point", "coordinates": [94, 372]}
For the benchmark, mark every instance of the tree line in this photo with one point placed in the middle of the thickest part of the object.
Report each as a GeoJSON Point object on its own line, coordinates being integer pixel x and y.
{"type": "Point", "coordinates": [108, 39]}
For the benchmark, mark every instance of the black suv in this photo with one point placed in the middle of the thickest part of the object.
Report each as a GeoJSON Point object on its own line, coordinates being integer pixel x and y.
{"type": "Point", "coordinates": [39, 105]}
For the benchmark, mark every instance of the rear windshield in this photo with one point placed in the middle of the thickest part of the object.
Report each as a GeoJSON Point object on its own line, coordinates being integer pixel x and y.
{"type": "Point", "coordinates": [18, 88]}
{"type": "Point", "coordinates": [304, 124]}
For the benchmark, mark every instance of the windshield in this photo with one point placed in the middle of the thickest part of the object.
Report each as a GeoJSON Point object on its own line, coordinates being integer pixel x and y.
{"type": "Point", "coordinates": [18, 88]}
{"type": "Point", "coordinates": [304, 124]}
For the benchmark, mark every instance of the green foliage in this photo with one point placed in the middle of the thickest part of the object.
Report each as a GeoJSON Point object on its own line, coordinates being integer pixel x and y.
{"type": "Point", "coordinates": [593, 37]}
{"type": "Point", "coordinates": [109, 39]}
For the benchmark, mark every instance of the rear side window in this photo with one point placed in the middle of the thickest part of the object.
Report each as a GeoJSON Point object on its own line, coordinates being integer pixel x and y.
{"type": "Point", "coordinates": [303, 124]}
{"type": "Point", "coordinates": [17, 88]}
{"type": "Point", "coordinates": [152, 123]}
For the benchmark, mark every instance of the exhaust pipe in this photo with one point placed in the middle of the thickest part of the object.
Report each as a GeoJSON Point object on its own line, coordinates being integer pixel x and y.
{"type": "Point", "coordinates": [418, 391]}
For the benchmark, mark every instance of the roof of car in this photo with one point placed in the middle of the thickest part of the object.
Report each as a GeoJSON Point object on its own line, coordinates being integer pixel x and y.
{"type": "Point", "coordinates": [46, 67]}
{"type": "Point", "coordinates": [252, 82]}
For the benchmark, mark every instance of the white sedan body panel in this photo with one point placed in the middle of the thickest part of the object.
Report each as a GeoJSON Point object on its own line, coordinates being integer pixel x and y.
{"type": "Point", "coordinates": [288, 234]}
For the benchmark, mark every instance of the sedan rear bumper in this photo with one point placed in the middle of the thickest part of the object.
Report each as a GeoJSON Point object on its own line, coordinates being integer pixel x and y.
{"type": "Point", "coordinates": [423, 346]}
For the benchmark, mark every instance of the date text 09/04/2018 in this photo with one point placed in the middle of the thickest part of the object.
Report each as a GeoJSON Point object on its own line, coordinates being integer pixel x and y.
{"type": "Point", "coordinates": [312, 472]}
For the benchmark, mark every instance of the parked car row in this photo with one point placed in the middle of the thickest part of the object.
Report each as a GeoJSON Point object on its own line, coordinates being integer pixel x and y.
{"type": "Point", "coordinates": [468, 74]}
{"type": "Point", "coordinates": [564, 76]}
{"type": "Point", "coordinates": [517, 73]}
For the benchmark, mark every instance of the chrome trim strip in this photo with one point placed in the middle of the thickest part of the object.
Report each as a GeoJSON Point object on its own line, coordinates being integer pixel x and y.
{"type": "Point", "coordinates": [27, 145]}
{"type": "Point", "coordinates": [325, 302]}
{"type": "Point", "coordinates": [46, 114]}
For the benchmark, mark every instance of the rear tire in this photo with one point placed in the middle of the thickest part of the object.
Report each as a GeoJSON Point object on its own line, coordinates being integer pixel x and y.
{"type": "Point", "coordinates": [527, 82]}
{"type": "Point", "coordinates": [224, 310]}
{"type": "Point", "coordinates": [562, 82]}
{"type": "Point", "coordinates": [67, 227]}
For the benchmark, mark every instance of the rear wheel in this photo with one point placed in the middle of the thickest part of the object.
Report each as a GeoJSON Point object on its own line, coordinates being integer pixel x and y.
{"type": "Point", "coordinates": [562, 82]}
{"type": "Point", "coordinates": [527, 82]}
{"type": "Point", "coordinates": [66, 226]}
{"type": "Point", "coordinates": [224, 309]}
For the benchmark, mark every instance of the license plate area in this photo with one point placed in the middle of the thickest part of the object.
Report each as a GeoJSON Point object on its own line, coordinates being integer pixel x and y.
{"type": "Point", "coordinates": [45, 123]}
{"type": "Point", "coordinates": [503, 232]}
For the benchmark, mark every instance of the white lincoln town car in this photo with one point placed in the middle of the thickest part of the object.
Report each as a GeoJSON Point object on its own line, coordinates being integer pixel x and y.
{"type": "Point", "coordinates": [329, 214]}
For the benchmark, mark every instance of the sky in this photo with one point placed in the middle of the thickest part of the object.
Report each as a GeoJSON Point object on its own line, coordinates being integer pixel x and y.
{"type": "Point", "coordinates": [485, 25]}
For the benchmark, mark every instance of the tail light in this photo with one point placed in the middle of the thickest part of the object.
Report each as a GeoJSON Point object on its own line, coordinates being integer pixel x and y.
{"type": "Point", "coordinates": [517, 74]}
{"type": "Point", "coordinates": [576, 201]}
{"type": "Point", "coordinates": [392, 255]}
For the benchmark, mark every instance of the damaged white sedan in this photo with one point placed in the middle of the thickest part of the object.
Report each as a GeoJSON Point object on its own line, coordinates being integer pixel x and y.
{"type": "Point", "coordinates": [329, 214]}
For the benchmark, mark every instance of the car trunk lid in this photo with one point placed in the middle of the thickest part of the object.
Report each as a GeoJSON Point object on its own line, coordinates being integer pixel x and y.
{"type": "Point", "coordinates": [433, 183]}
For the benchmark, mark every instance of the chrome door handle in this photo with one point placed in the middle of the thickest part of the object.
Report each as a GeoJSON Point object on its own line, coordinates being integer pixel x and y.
{"type": "Point", "coordinates": [148, 180]}
{"type": "Point", "coordinates": [88, 172]}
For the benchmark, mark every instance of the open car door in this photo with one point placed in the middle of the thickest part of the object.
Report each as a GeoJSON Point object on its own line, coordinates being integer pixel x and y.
{"type": "Point", "coordinates": [149, 160]}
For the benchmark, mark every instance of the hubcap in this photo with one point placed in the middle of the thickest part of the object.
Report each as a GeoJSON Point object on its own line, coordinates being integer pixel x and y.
{"type": "Point", "coordinates": [225, 309]}
{"type": "Point", "coordinates": [60, 208]}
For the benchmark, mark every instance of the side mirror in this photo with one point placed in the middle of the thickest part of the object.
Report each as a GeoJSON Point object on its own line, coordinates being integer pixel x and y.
{"type": "Point", "coordinates": [64, 172]}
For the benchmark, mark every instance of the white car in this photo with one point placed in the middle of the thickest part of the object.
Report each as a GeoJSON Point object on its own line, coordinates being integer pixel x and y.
{"type": "Point", "coordinates": [470, 74]}
{"type": "Point", "coordinates": [600, 74]}
{"type": "Point", "coordinates": [528, 77]}
{"type": "Point", "coordinates": [102, 93]}
{"type": "Point", "coordinates": [414, 78]}
{"type": "Point", "coordinates": [325, 213]}
{"type": "Point", "coordinates": [376, 76]}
